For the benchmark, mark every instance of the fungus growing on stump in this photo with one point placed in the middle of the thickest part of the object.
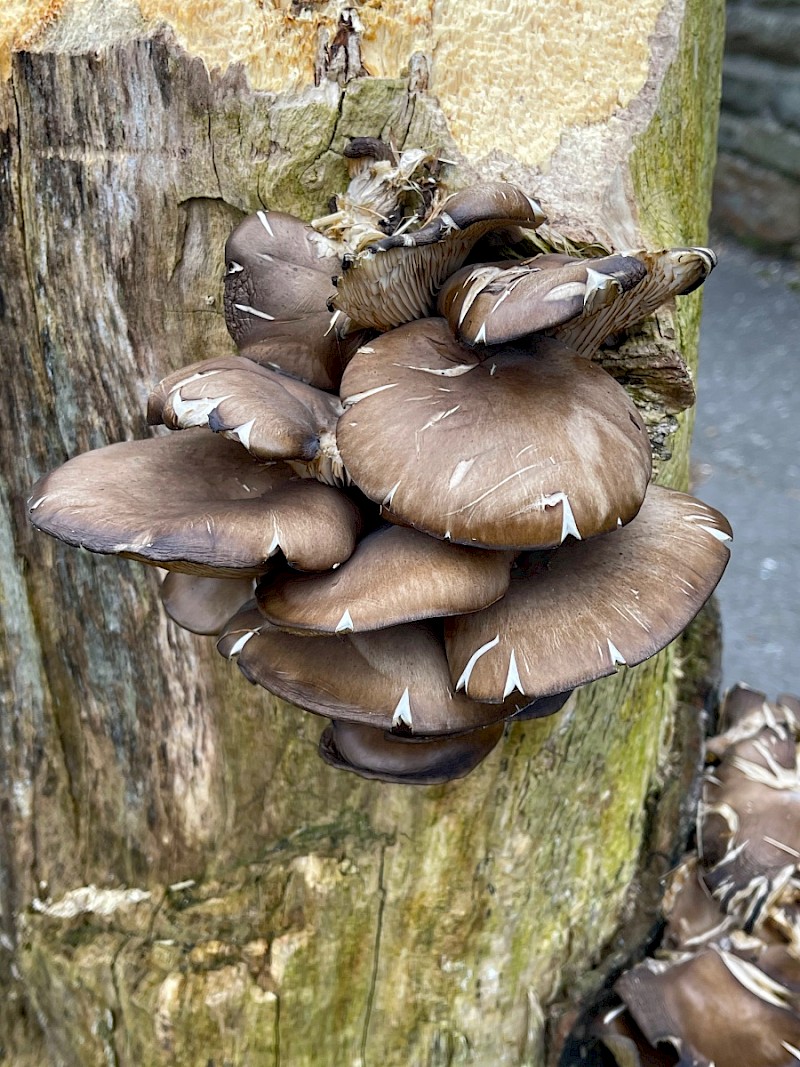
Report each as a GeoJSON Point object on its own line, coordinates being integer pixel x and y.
{"type": "Point", "coordinates": [469, 495]}
{"type": "Point", "coordinates": [723, 988]}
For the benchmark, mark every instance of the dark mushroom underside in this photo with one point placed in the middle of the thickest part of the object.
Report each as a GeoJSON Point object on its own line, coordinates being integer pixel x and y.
{"type": "Point", "coordinates": [396, 280]}
{"type": "Point", "coordinates": [405, 761]}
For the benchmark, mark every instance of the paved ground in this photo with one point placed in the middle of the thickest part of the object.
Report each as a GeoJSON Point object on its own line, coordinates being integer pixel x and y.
{"type": "Point", "coordinates": [746, 460]}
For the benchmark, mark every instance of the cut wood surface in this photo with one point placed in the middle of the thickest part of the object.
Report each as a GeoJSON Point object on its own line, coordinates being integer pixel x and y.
{"type": "Point", "coordinates": [182, 880]}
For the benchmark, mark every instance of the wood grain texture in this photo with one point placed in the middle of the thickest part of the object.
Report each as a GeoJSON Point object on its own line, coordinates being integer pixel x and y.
{"type": "Point", "coordinates": [329, 919]}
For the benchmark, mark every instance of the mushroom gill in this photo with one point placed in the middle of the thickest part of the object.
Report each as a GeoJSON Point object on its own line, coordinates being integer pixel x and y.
{"type": "Point", "coordinates": [396, 279]}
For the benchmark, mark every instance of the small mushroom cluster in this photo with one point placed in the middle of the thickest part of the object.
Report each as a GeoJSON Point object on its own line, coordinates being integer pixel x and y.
{"type": "Point", "coordinates": [723, 990]}
{"type": "Point", "coordinates": [444, 501]}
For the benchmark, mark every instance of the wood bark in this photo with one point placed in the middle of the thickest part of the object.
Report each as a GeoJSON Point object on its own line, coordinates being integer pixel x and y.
{"type": "Point", "coordinates": [182, 881]}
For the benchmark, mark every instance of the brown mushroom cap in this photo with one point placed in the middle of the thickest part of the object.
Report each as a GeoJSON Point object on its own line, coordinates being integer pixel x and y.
{"type": "Point", "coordinates": [693, 916]}
{"type": "Point", "coordinates": [616, 1028]}
{"type": "Point", "coordinates": [395, 280]}
{"type": "Point", "coordinates": [395, 575]}
{"type": "Point", "coordinates": [744, 712]}
{"type": "Point", "coordinates": [194, 502]}
{"type": "Point", "coordinates": [749, 822]}
{"type": "Point", "coordinates": [715, 1009]}
{"type": "Point", "coordinates": [515, 451]}
{"type": "Point", "coordinates": [493, 304]}
{"type": "Point", "coordinates": [273, 415]}
{"type": "Point", "coordinates": [394, 679]}
{"type": "Point", "coordinates": [386, 757]}
{"type": "Point", "coordinates": [203, 605]}
{"type": "Point", "coordinates": [277, 287]}
{"type": "Point", "coordinates": [670, 272]}
{"type": "Point", "coordinates": [591, 605]}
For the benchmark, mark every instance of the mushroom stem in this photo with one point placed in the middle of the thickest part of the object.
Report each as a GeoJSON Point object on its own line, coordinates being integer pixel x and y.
{"type": "Point", "coordinates": [327, 466]}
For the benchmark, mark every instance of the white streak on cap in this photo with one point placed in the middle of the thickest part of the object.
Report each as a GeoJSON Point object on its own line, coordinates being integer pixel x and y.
{"type": "Point", "coordinates": [756, 981]}
{"type": "Point", "coordinates": [568, 524]}
{"type": "Point", "coordinates": [254, 311]}
{"type": "Point", "coordinates": [513, 680]}
{"type": "Point", "coordinates": [345, 624]}
{"type": "Point", "coordinates": [402, 713]}
{"type": "Point", "coordinates": [447, 372]}
{"type": "Point", "coordinates": [614, 652]}
{"type": "Point", "coordinates": [387, 500]}
{"type": "Point", "coordinates": [354, 399]}
{"type": "Point", "coordinates": [239, 644]}
{"type": "Point", "coordinates": [195, 412]}
{"type": "Point", "coordinates": [242, 433]}
{"type": "Point", "coordinates": [463, 681]}
{"type": "Point", "coordinates": [262, 218]}
{"type": "Point", "coordinates": [460, 471]}
{"type": "Point", "coordinates": [564, 292]}
{"type": "Point", "coordinates": [275, 543]}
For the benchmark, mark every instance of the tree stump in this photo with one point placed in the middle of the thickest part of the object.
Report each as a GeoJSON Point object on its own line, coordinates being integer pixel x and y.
{"type": "Point", "coordinates": [182, 881]}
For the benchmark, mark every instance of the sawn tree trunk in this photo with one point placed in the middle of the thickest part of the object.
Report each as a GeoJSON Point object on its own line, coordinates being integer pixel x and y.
{"type": "Point", "coordinates": [182, 881]}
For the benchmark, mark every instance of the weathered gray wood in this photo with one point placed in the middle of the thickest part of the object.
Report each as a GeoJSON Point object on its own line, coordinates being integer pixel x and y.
{"type": "Point", "coordinates": [328, 920]}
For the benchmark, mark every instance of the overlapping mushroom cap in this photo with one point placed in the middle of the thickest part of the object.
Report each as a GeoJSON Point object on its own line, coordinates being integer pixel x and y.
{"type": "Point", "coordinates": [633, 591]}
{"type": "Point", "coordinates": [396, 575]}
{"type": "Point", "coordinates": [391, 679]}
{"type": "Point", "coordinates": [514, 451]}
{"type": "Point", "coordinates": [396, 279]}
{"type": "Point", "coordinates": [374, 753]}
{"type": "Point", "coordinates": [194, 502]}
{"type": "Point", "coordinates": [490, 304]}
{"type": "Point", "coordinates": [277, 288]}
{"type": "Point", "coordinates": [273, 415]}
{"type": "Point", "coordinates": [478, 456]}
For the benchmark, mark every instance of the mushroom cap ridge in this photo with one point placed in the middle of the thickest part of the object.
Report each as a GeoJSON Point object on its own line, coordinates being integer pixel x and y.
{"type": "Point", "coordinates": [515, 451]}
{"type": "Point", "coordinates": [194, 502]}
{"type": "Point", "coordinates": [590, 606]}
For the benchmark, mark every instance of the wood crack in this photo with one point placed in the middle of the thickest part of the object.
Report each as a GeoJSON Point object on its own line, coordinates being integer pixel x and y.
{"type": "Point", "coordinates": [23, 229]}
{"type": "Point", "coordinates": [375, 958]}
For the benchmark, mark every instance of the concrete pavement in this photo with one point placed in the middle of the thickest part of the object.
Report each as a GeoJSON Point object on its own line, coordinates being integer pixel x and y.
{"type": "Point", "coordinates": [746, 460]}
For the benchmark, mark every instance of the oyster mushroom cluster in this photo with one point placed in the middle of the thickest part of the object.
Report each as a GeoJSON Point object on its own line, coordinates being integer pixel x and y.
{"type": "Point", "coordinates": [723, 990]}
{"type": "Point", "coordinates": [441, 501]}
